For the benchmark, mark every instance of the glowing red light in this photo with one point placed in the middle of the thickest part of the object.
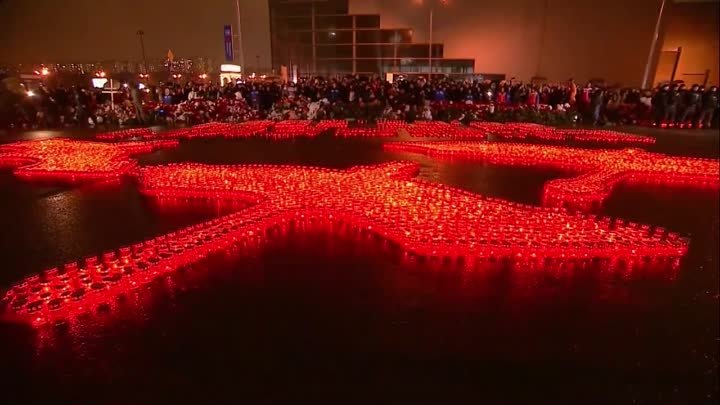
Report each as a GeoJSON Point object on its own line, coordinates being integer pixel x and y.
{"type": "Point", "coordinates": [598, 170]}
{"type": "Point", "coordinates": [72, 161]}
{"type": "Point", "coordinates": [125, 134]}
{"type": "Point", "coordinates": [440, 129]}
{"type": "Point", "coordinates": [524, 131]}
{"type": "Point", "coordinates": [425, 218]}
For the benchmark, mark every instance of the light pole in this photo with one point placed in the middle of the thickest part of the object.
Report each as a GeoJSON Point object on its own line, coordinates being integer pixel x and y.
{"type": "Point", "coordinates": [430, 33]}
{"type": "Point", "coordinates": [653, 45]}
{"type": "Point", "coordinates": [140, 34]}
{"type": "Point", "coordinates": [241, 54]}
{"type": "Point", "coordinates": [430, 55]}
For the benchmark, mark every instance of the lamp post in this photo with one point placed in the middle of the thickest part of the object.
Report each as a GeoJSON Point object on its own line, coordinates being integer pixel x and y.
{"type": "Point", "coordinates": [241, 53]}
{"type": "Point", "coordinates": [430, 54]}
{"type": "Point", "coordinates": [140, 33]}
{"type": "Point", "coordinates": [430, 33]}
{"type": "Point", "coordinates": [653, 45]}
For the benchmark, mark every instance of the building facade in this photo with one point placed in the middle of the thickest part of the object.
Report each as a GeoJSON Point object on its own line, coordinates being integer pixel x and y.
{"type": "Point", "coordinates": [323, 37]}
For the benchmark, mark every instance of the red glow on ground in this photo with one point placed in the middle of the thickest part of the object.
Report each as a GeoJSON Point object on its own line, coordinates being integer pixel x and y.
{"type": "Point", "coordinates": [527, 131]}
{"type": "Point", "coordinates": [598, 170]}
{"type": "Point", "coordinates": [66, 160]}
{"type": "Point", "coordinates": [292, 129]}
{"type": "Point", "coordinates": [424, 218]}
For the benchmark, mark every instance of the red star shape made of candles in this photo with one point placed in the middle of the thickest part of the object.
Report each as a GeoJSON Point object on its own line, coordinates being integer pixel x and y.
{"type": "Point", "coordinates": [424, 218]}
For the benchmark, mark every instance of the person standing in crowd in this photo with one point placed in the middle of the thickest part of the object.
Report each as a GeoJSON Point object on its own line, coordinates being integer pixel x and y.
{"type": "Point", "coordinates": [673, 103]}
{"type": "Point", "coordinates": [572, 97]}
{"type": "Point", "coordinates": [659, 104]}
{"type": "Point", "coordinates": [137, 102]}
{"type": "Point", "coordinates": [691, 101]}
{"type": "Point", "coordinates": [709, 105]}
{"type": "Point", "coordinates": [598, 98]}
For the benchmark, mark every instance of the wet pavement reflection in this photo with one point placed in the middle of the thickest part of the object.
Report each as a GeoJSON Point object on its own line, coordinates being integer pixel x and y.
{"type": "Point", "coordinates": [327, 311]}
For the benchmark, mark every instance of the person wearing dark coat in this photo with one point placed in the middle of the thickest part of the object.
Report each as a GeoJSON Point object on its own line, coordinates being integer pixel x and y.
{"type": "Point", "coordinates": [709, 105]}
{"type": "Point", "coordinates": [660, 102]}
{"type": "Point", "coordinates": [692, 102]}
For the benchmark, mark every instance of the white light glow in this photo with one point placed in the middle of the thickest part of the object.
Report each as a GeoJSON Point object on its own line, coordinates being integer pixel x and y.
{"type": "Point", "coordinates": [99, 82]}
{"type": "Point", "coordinates": [226, 67]}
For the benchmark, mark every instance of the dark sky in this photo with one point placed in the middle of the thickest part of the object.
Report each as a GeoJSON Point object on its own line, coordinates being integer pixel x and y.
{"type": "Point", "coordinates": [90, 30]}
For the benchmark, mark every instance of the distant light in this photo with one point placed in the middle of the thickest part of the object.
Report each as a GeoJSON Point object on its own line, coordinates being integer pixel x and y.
{"type": "Point", "coordinates": [45, 71]}
{"type": "Point", "coordinates": [100, 74]}
{"type": "Point", "coordinates": [333, 33]}
{"type": "Point", "coordinates": [99, 82]}
{"type": "Point", "coordinates": [141, 86]}
{"type": "Point", "coordinates": [125, 85]}
{"type": "Point", "coordinates": [30, 93]}
{"type": "Point", "coordinates": [230, 68]}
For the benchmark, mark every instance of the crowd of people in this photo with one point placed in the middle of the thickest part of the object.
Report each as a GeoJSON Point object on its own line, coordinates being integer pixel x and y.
{"type": "Point", "coordinates": [363, 98]}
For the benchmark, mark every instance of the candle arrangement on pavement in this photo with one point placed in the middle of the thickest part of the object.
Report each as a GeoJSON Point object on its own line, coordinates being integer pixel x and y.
{"type": "Point", "coordinates": [427, 219]}
{"type": "Point", "coordinates": [440, 129]}
{"type": "Point", "coordinates": [126, 134]}
{"type": "Point", "coordinates": [598, 171]}
{"type": "Point", "coordinates": [71, 161]}
{"type": "Point", "coordinates": [528, 131]}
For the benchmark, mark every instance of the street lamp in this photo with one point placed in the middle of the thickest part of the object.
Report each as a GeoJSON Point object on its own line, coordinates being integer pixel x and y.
{"type": "Point", "coordinates": [141, 33]}
{"type": "Point", "coordinates": [430, 33]}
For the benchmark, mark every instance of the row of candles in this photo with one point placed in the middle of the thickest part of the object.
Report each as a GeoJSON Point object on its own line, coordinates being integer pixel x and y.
{"type": "Point", "coordinates": [529, 131]}
{"type": "Point", "coordinates": [597, 171]}
{"type": "Point", "coordinates": [423, 218]}
{"type": "Point", "coordinates": [385, 128]}
{"type": "Point", "coordinates": [70, 161]}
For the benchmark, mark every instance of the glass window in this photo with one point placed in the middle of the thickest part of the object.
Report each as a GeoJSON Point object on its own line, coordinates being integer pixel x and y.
{"type": "Point", "coordinates": [367, 21]}
{"type": "Point", "coordinates": [303, 37]}
{"type": "Point", "coordinates": [331, 7]}
{"type": "Point", "coordinates": [295, 52]}
{"type": "Point", "coordinates": [413, 51]}
{"type": "Point", "coordinates": [396, 36]}
{"type": "Point", "coordinates": [368, 36]}
{"type": "Point", "coordinates": [368, 66]}
{"type": "Point", "coordinates": [367, 51]}
{"type": "Point", "coordinates": [334, 51]}
{"type": "Point", "coordinates": [289, 9]}
{"type": "Point", "coordinates": [375, 51]}
{"type": "Point", "coordinates": [293, 24]}
{"type": "Point", "coordinates": [333, 37]}
{"type": "Point", "coordinates": [334, 22]}
{"type": "Point", "coordinates": [334, 66]}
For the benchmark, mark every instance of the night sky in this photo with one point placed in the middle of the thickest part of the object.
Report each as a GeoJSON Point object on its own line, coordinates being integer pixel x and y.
{"type": "Point", "coordinates": [92, 30]}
